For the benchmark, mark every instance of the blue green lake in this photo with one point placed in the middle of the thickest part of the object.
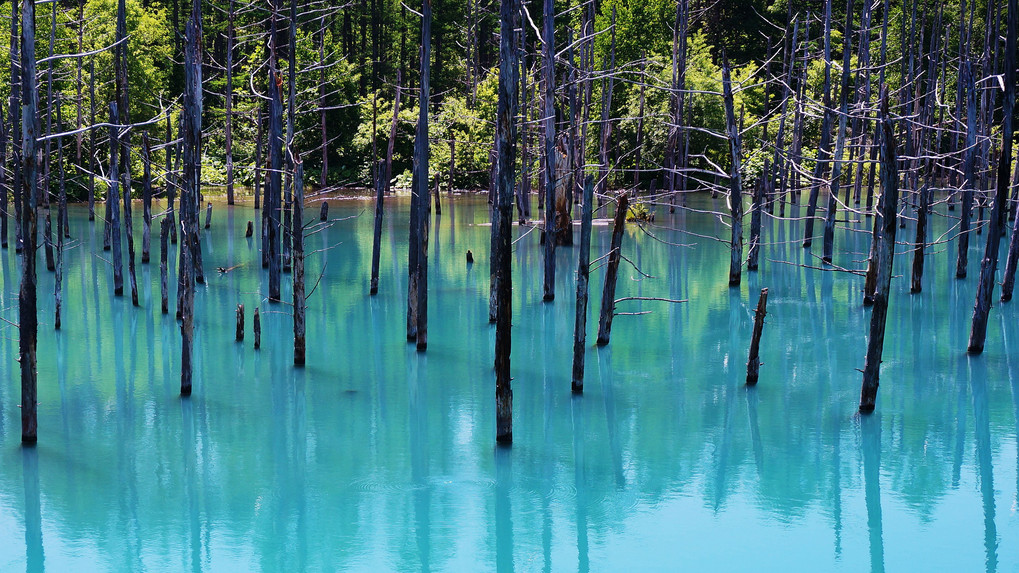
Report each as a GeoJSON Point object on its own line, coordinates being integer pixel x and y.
{"type": "Point", "coordinates": [378, 458]}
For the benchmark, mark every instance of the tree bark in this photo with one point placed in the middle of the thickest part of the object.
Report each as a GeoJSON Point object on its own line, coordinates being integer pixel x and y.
{"type": "Point", "coordinates": [883, 259]}
{"type": "Point", "coordinates": [754, 363]}
{"type": "Point", "coordinates": [735, 181]}
{"type": "Point", "coordinates": [608, 297]}
{"type": "Point", "coordinates": [548, 43]}
{"type": "Point", "coordinates": [989, 264]}
{"type": "Point", "coordinates": [506, 125]}
{"type": "Point", "coordinates": [28, 318]}
{"type": "Point", "coordinates": [298, 251]}
{"type": "Point", "coordinates": [583, 278]}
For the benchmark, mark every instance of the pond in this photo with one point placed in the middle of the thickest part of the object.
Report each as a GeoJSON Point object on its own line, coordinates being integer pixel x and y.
{"type": "Point", "coordinates": [377, 457]}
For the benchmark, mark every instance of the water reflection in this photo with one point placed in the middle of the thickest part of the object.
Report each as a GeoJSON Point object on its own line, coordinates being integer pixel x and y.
{"type": "Point", "coordinates": [870, 444]}
{"type": "Point", "coordinates": [34, 556]}
{"type": "Point", "coordinates": [376, 457]}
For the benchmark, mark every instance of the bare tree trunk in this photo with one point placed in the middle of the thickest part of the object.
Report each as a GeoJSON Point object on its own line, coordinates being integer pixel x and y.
{"type": "Point", "coordinates": [421, 154]}
{"type": "Point", "coordinates": [192, 133]}
{"type": "Point", "coordinates": [990, 262]}
{"type": "Point", "coordinates": [298, 236]}
{"type": "Point", "coordinates": [324, 175]}
{"type": "Point", "coordinates": [506, 126]}
{"type": "Point", "coordinates": [391, 147]}
{"type": "Point", "coordinates": [17, 182]}
{"type": "Point", "coordinates": [274, 190]}
{"type": "Point", "coordinates": [113, 201]}
{"type": "Point", "coordinates": [884, 252]}
{"type": "Point", "coordinates": [380, 186]}
{"type": "Point", "coordinates": [28, 318]}
{"type": "Point", "coordinates": [548, 43]}
{"type": "Point", "coordinates": [228, 105]}
{"type": "Point", "coordinates": [608, 297]}
{"type": "Point", "coordinates": [3, 181]}
{"type": "Point", "coordinates": [754, 362]}
{"type": "Point", "coordinates": [583, 276]}
{"type": "Point", "coordinates": [164, 235]}
{"type": "Point", "coordinates": [735, 181]}
{"type": "Point", "coordinates": [824, 148]}
{"type": "Point", "coordinates": [146, 197]}
{"type": "Point", "coordinates": [840, 141]}
{"type": "Point", "coordinates": [62, 231]}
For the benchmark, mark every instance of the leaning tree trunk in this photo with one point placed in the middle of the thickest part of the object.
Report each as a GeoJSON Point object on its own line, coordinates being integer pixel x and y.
{"type": "Point", "coordinates": [506, 126]}
{"type": "Point", "coordinates": [990, 262]}
{"type": "Point", "coordinates": [28, 318]}
{"type": "Point", "coordinates": [608, 297]}
{"type": "Point", "coordinates": [735, 181]}
{"type": "Point", "coordinates": [17, 182]}
{"type": "Point", "coordinates": [884, 252]}
{"type": "Point", "coordinates": [380, 187]}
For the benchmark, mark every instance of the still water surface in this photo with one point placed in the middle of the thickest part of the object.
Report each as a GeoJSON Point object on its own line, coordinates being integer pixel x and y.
{"type": "Point", "coordinates": [377, 458]}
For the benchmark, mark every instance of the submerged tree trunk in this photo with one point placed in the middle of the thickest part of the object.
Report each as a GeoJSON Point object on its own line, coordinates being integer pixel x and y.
{"type": "Point", "coordinates": [380, 187]}
{"type": "Point", "coordinates": [419, 269]}
{"type": "Point", "coordinates": [192, 124]}
{"type": "Point", "coordinates": [754, 362]}
{"type": "Point", "coordinates": [608, 297]}
{"type": "Point", "coordinates": [824, 147]}
{"type": "Point", "coordinates": [506, 126]}
{"type": "Point", "coordinates": [583, 275]}
{"type": "Point", "coordinates": [28, 318]}
{"type": "Point", "coordinates": [164, 236]}
{"type": "Point", "coordinates": [883, 259]}
{"type": "Point", "coordinates": [989, 264]}
{"type": "Point", "coordinates": [273, 196]}
{"type": "Point", "coordinates": [113, 201]}
{"type": "Point", "coordinates": [298, 251]}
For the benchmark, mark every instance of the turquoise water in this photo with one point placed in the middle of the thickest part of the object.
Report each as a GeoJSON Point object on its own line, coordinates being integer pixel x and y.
{"type": "Point", "coordinates": [375, 457]}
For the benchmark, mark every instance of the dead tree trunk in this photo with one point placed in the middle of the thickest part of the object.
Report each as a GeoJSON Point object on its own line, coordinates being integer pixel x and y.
{"type": "Point", "coordinates": [28, 318]}
{"type": "Point", "coordinates": [113, 201]}
{"type": "Point", "coordinates": [506, 126]}
{"type": "Point", "coordinates": [735, 181]}
{"type": "Point", "coordinates": [3, 180]}
{"type": "Point", "coordinates": [421, 152]}
{"type": "Point", "coordinates": [256, 325]}
{"type": "Point", "coordinates": [608, 300]}
{"type": "Point", "coordinates": [916, 282]}
{"type": "Point", "coordinates": [754, 363]}
{"type": "Point", "coordinates": [239, 330]}
{"type": "Point", "coordinates": [391, 147]}
{"type": "Point", "coordinates": [824, 147]}
{"type": "Point", "coordinates": [990, 263]}
{"type": "Point", "coordinates": [17, 182]}
{"type": "Point", "coordinates": [273, 194]}
{"type": "Point", "coordinates": [883, 257]}
{"type": "Point", "coordinates": [228, 106]}
{"type": "Point", "coordinates": [164, 236]}
{"type": "Point", "coordinates": [298, 251]}
{"type": "Point", "coordinates": [840, 141]}
{"type": "Point", "coordinates": [548, 63]}
{"type": "Point", "coordinates": [969, 169]}
{"type": "Point", "coordinates": [583, 275]}
{"type": "Point", "coordinates": [146, 197]}
{"type": "Point", "coordinates": [129, 228]}
{"type": "Point", "coordinates": [324, 174]}
{"type": "Point", "coordinates": [62, 231]}
{"type": "Point", "coordinates": [380, 188]}
{"type": "Point", "coordinates": [192, 123]}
